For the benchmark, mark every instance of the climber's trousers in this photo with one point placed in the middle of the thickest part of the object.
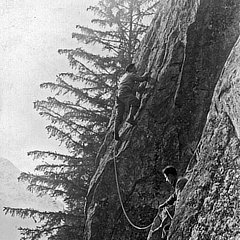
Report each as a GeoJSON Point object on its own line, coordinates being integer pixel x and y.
{"type": "Point", "coordinates": [162, 221]}
{"type": "Point", "coordinates": [124, 102]}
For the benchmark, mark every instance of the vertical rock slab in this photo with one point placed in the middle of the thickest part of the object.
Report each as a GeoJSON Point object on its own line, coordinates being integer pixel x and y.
{"type": "Point", "coordinates": [185, 49]}
{"type": "Point", "coordinates": [210, 206]}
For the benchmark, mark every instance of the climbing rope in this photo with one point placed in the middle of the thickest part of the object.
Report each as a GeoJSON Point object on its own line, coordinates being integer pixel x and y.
{"type": "Point", "coordinates": [189, 167]}
{"type": "Point", "coordinates": [118, 188]}
{"type": "Point", "coordinates": [171, 217]}
{"type": "Point", "coordinates": [119, 195]}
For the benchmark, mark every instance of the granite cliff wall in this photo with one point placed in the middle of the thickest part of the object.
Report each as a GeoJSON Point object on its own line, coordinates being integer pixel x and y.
{"type": "Point", "coordinates": [186, 49]}
{"type": "Point", "coordinates": [210, 203]}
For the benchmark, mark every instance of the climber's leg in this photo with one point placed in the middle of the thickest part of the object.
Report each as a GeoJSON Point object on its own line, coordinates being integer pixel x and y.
{"type": "Point", "coordinates": [134, 103]}
{"type": "Point", "coordinates": [157, 223]}
{"type": "Point", "coordinates": [165, 231]}
{"type": "Point", "coordinates": [120, 109]}
{"type": "Point", "coordinates": [168, 212]}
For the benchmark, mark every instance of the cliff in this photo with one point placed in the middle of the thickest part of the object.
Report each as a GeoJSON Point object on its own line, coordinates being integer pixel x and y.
{"type": "Point", "coordinates": [188, 118]}
{"type": "Point", "coordinates": [209, 208]}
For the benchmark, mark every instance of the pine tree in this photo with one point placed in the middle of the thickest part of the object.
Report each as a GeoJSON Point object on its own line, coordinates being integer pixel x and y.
{"type": "Point", "coordinates": [79, 113]}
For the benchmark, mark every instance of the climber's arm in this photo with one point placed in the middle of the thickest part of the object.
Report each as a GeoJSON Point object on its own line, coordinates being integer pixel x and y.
{"type": "Point", "coordinates": [142, 78]}
{"type": "Point", "coordinates": [181, 184]}
{"type": "Point", "coordinates": [169, 201]}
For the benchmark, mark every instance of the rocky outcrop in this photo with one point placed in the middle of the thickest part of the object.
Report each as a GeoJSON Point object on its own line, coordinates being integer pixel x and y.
{"type": "Point", "coordinates": [209, 208]}
{"type": "Point", "coordinates": [186, 50]}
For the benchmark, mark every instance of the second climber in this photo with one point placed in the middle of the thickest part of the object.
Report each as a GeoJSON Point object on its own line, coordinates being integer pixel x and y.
{"type": "Point", "coordinates": [126, 97]}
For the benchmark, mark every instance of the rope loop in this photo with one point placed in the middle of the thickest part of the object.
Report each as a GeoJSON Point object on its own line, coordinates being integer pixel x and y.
{"type": "Point", "coordinates": [120, 198]}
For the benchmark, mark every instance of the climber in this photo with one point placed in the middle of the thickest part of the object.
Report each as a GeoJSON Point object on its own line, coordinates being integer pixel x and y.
{"type": "Point", "coordinates": [166, 210]}
{"type": "Point", "coordinates": [126, 97]}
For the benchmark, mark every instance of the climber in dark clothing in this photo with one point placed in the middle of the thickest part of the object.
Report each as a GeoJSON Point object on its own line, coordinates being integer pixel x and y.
{"type": "Point", "coordinates": [167, 209]}
{"type": "Point", "coordinates": [126, 97]}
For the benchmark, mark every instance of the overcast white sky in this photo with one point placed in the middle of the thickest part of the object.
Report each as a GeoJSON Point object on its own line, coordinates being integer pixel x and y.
{"type": "Point", "coordinates": [31, 33]}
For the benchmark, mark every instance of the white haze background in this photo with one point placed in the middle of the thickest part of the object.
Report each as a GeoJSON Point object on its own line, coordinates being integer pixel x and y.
{"type": "Point", "coordinates": [31, 33]}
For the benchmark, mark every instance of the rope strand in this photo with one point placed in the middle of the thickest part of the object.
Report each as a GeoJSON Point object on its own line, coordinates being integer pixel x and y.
{"type": "Point", "coordinates": [120, 198]}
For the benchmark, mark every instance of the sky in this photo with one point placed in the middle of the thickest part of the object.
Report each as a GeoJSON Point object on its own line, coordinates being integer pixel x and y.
{"type": "Point", "coordinates": [32, 31]}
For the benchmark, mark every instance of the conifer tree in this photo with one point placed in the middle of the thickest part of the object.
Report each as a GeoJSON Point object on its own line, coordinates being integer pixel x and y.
{"type": "Point", "coordinates": [79, 112]}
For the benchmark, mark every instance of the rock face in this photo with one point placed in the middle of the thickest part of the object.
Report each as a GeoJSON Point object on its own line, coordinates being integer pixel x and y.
{"type": "Point", "coordinates": [209, 208]}
{"type": "Point", "coordinates": [189, 118]}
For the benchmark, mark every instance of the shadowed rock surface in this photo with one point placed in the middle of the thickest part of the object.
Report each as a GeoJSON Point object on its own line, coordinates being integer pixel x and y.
{"type": "Point", "coordinates": [187, 119]}
{"type": "Point", "coordinates": [209, 208]}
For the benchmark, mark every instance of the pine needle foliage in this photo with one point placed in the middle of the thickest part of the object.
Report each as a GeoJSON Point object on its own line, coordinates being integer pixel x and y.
{"type": "Point", "coordinates": [79, 111]}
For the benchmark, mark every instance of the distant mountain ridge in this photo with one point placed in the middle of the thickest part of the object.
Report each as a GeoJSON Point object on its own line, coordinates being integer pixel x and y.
{"type": "Point", "coordinates": [15, 194]}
